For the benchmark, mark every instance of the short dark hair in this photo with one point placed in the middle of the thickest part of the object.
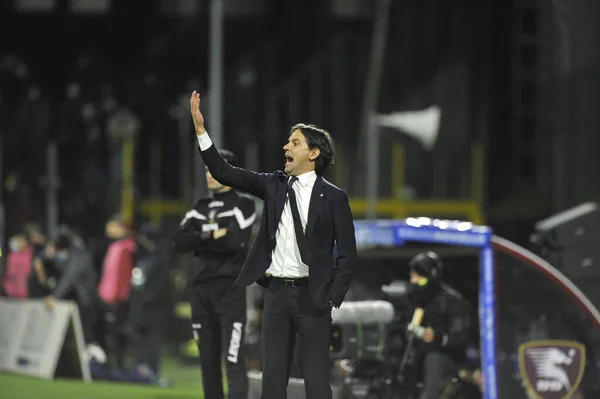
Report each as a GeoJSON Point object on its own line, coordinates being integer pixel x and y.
{"type": "Point", "coordinates": [229, 157]}
{"type": "Point", "coordinates": [321, 139]}
{"type": "Point", "coordinates": [64, 237]}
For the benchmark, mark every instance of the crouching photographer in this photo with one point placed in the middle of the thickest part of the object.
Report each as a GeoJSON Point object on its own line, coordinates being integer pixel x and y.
{"type": "Point", "coordinates": [441, 325]}
{"type": "Point", "coordinates": [76, 281]}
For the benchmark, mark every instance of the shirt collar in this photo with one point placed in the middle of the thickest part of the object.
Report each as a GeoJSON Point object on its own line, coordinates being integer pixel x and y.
{"type": "Point", "coordinates": [307, 178]}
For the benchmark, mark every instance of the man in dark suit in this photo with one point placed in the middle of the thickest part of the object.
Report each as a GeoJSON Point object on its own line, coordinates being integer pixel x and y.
{"type": "Point", "coordinates": [292, 255]}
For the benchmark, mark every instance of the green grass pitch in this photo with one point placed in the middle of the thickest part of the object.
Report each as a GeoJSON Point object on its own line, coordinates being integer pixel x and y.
{"type": "Point", "coordinates": [186, 384]}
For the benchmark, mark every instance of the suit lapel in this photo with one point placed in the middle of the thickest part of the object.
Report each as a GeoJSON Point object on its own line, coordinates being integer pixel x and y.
{"type": "Point", "coordinates": [280, 198]}
{"type": "Point", "coordinates": [316, 200]}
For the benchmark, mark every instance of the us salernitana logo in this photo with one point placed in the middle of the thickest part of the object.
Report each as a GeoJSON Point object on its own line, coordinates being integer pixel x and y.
{"type": "Point", "coordinates": [552, 369]}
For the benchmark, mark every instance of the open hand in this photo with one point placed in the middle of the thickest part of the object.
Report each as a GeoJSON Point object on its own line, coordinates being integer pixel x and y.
{"type": "Point", "coordinates": [197, 116]}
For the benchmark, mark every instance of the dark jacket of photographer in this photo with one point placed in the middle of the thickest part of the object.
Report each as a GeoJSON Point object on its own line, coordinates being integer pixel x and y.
{"type": "Point", "coordinates": [77, 279]}
{"type": "Point", "coordinates": [448, 314]}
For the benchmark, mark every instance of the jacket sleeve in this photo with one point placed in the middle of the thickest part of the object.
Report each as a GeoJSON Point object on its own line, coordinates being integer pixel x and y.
{"type": "Point", "coordinates": [241, 179]}
{"type": "Point", "coordinates": [345, 239]}
{"type": "Point", "coordinates": [238, 229]}
{"type": "Point", "coordinates": [190, 236]}
{"type": "Point", "coordinates": [459, 325]}
{"type": "Point", "coordinates": [75, 270]}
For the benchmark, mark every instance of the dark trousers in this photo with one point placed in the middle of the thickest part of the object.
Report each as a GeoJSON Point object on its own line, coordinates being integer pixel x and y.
{"type": "Point", "coordinates": [289, 315]}
{"type": "Point", "coordinates": [145, 344]}
{"type": "Point", "coordinates": [115, 330]}
{"type": "Point", "coordinates": [218, 323]}
{"type": "Point", "coordinates": [88, 314]}
{"type": "Point", "coordinates": [436, 368]}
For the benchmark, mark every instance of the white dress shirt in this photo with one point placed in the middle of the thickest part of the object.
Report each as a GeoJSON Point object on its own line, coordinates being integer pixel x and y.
{"type": "Point", "coordinates": [286, 261]}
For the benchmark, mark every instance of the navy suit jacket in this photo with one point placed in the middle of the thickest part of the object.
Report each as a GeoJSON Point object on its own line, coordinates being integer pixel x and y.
{"type": "Point", "coordinates": [329, 221]}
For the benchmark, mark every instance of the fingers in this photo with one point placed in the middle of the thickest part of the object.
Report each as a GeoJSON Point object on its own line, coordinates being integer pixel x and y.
{"type": "Point", "coordinates": [195, 101]}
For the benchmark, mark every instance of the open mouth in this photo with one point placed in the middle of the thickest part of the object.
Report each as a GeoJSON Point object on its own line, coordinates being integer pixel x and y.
{"type": "Point", "coordinates": [288, 160]}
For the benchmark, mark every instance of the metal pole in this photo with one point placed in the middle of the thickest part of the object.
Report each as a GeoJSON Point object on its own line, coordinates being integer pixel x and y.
{"type": "Point", "coordinates": [562, 102]}
{"type": "Point", "coordinates": [294, 90]}
{"type": "Point", "coordinates": [52, 182]}
{"type": "Point", "coordinates": [201, 189]}
{"type": "Point", "coordinates": [252, 155]}
{"type": "Point", "coordinates": [185, 128]}
{"type": "Point", "coordinates": [2, 219]}
{"type": "Point", "coordinates": [372, 182]}
{"type": "Point", "coordinates": [316, 94]}
{"type": "Point", "coordinates": [127, 178]}
{"type": "Point", "coordinates": [156, 168]}
{"type": "Point", "coordinates": [216, 72]}
{"type": "Point", "coordinates": [373, 80]}
{"type": "Point", "coordinates": [338, 89]}
{"type": "Point", "coordinates": [271, 126]}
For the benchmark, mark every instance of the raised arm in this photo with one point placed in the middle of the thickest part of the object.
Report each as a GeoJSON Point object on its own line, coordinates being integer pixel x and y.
{"type": "Point", "coordinates": [343, 226]}
{"type": "Point", "coordinates": [242, 179]}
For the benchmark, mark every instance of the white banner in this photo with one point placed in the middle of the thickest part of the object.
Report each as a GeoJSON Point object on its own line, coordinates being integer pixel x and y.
{"type": "Point", "coordinates": [42, 343]}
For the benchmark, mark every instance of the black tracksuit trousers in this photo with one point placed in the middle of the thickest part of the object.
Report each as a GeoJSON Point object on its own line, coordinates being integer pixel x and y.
{"type": "Point", "coordinates": [218, 323]}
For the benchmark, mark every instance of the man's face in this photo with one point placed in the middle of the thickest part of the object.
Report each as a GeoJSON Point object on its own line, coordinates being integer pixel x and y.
{"type": "Point", "coordinates": [213, 185]}
{"type": "Point", "coordinates": [298, 157]}
{"type": "Point", "coordinates": [416, 278]}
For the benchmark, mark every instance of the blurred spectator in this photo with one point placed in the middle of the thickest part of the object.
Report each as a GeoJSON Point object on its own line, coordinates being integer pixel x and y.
{"type": "Point", "coordinates": [36, 238]}
{"type": "Point", "coordinates": [38, 277]}
{"type": "Point", "coordinates": [149, 303]}
{"type": "Point", "coordinates": [76, 281]}
{"type": "Point", "coordinates": [18, 267]}
{"type": "Point", "coordinates": [121, 125]}
{"type": "Point", "coordinates": [115, 287]}
{"type": "Point", "coordinates": [44, 274]}
{"type": "Point", "coordinates": [76, 239]}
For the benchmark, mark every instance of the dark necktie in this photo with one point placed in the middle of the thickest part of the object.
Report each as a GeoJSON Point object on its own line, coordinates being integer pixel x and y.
{"type": "Point", "coordinates": [300, 236]}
